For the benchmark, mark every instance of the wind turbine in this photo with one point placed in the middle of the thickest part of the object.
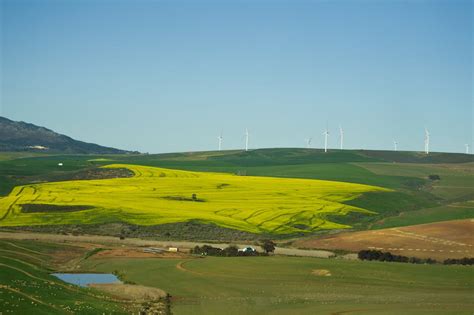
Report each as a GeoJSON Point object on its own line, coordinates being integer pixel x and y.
{"type": "Point", "coordinates": [326, 134]}
{"type": "Point", "coordinates": [341, 137]}
{"type": "Point", "coordinates": [467, 148]}
{"type": "Point", "coordinates": [427, 141]}
{"type": "Point", "coordinates": [246, 139]}
{"type": "Point", "coordinates": [219, 139]}
{"type": "Point", "coordinates": [308, 142]}
{"type": "Point", "coordinates": [395, 145]}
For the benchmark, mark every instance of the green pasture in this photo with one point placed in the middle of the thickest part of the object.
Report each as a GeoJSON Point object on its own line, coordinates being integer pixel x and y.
{"type": "Point", "coordinates": [455, 211]}
{"type": "Point", "coordinates": [287, 285]}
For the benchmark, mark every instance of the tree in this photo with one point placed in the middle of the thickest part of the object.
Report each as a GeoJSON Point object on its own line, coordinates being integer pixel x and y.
{"type": "Point", "coordinates": [268, 246]}
{"type": "Point", "coordinates": [231, 251]}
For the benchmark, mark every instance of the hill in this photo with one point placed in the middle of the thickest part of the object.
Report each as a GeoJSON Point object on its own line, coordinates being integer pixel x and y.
{"type": "Point", "coordinates": [22, 136]}
{"type": "Point", "coordinates": [412, 197]}
{"type": "Point", "coordinates": [156, 196]}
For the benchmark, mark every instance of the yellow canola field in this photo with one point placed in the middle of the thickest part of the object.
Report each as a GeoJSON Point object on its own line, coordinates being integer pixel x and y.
{"type": "Point", "coordinates": [157, 196]}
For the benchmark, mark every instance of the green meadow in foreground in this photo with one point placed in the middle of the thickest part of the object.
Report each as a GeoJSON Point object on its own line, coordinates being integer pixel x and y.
{"type": "Point", "coordinates": [297, 285]}
{"type": "Point", "coordinates": [157, 196]}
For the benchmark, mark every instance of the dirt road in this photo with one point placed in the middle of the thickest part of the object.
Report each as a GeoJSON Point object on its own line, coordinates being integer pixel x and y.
{"type": "Point", "coordinates": [151, 243]}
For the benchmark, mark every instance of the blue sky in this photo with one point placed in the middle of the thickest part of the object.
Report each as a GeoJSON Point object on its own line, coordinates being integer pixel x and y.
{"type": "Point", "coordinates": [165, 76]}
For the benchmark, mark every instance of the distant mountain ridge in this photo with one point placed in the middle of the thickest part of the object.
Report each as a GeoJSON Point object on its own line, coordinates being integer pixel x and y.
{"type": "Point", "coordinates": [22, 136]}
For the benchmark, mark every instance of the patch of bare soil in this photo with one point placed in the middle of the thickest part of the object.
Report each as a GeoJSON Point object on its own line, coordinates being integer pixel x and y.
{"type": "Point", "coordinates": [134, 253]}
{"type": "Point", "coordinates": [152, 300]}
{"type": "Point", "coordinates": [321, 272]}
{"type": "Point", "coordinates": [441, 240]}
{"type": "Point", "coordinates": [133, 292]}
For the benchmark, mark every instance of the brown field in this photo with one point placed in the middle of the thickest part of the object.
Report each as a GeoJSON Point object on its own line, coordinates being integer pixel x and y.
{"type": "Point", "coordinates": [135, 253]}
{"type": "Point", "coordinates": [441, 240]}
{"type": "Point", "coordinates": [130, 292]}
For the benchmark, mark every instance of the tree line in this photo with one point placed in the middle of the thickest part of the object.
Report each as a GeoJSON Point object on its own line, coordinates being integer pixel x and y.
{"type": "Point", "coordinates": [460, 261]}
{"type": "Point", "coordinates": [371, 254]}
{"type": "Point", "coordinates": [233, 251]}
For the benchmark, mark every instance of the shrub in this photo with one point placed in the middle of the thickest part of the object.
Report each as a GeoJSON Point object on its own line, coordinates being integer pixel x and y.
{"type": "Point", "coordinates": [387, 256]}
{"type": "Point", "coordinates": [462, 261]}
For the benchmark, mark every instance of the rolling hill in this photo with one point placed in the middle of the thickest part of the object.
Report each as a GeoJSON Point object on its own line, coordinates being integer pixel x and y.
{"type": "Point", "coordinates": [410, 196]}
{"type": "Point", "coordinates": [156, 196]}
{"type": "Point", "coordinates": [22, 136]}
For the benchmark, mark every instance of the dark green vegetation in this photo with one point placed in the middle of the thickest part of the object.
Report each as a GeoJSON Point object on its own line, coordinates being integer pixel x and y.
{"type": "Point", "coordinates": [26, 286]}
{"type": "Point", "coordinates": [21, 136]}
{"type": "Point", "coordinates": [415, 199]}
{"type": "Point", "coordinates": [33, 207]}
{"type": "Point", "coordinates": [229, 251]}
{"type": "Point", "coordinates": [296, 285]}
{"type": "Point", "coordinates": [186, 231]}
{"type": "Point", "coordinates": [371, 254]}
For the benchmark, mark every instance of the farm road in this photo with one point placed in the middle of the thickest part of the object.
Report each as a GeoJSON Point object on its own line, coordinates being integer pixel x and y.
{"type": "Point", "coordinates": [151, 243]}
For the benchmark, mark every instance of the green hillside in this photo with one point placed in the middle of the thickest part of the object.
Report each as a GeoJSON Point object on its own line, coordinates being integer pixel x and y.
{"type": "Point", "coordinates": [404, 172]}
{"type": "Point", "coordinates": [26, 286]}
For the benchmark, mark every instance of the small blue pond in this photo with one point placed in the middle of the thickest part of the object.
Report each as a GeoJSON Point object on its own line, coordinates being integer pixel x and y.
{"type": "Point", "coordinates": [83, 279]}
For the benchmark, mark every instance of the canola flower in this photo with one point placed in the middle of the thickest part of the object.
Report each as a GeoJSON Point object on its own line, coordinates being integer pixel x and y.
{"type": "Point", "coordinates": [156, 196]}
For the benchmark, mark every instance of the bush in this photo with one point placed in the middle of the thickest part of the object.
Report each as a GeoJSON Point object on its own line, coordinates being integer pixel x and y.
{"type": "Point", "coordinates": [463, 261]}
{"type": "Point", "coordinates": [387, 256]}
{"type": "Point", "coordinates": [230, 251]}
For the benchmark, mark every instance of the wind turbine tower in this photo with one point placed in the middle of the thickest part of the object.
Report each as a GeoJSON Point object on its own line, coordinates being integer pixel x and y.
{"type": "Point", "coordinates": [219, 139]}
{"type": "Point", "coordinates": [326, 134]}
{"type": "Point", "coordinates": [395, 145]}
{"type": "Point", "coordinates": [341, 137]}
{"type": "Point", "coordinates": [246, 139]}
{"type": "Point", "coordinates": [467, 148]}
{"type": "Point", "coordinates": [427, 141]}
{"type": "Point", "coordinates": [308, 142]}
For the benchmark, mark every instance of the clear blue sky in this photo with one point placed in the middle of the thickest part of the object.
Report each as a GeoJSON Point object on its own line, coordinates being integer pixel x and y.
{"type": "Point", "coordinates": [165, 76]}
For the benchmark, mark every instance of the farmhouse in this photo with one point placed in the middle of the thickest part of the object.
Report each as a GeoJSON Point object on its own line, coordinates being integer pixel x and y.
{"type": "Point", "coordinates": [248, 249]}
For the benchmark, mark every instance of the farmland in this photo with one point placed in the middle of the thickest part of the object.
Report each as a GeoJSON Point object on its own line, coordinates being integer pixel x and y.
{"type": "Point", "coordinates": [409, 196]}
{"type": "Point", "coordinates": [213, 285]}
{"type": "Point", "coordinates": [158, 196]}
{"type": "Point", "coordinates": [440, 240]}
{"type": "Point", "coordinates": [26, 287]}
{"type": "Point", "coordinates": [298, 285]}
{"type": "Point", "coordinates": [297, 197]}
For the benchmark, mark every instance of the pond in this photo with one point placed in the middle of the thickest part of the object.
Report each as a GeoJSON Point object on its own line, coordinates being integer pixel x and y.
{"type": "Point", "coordinates": [83, 279]}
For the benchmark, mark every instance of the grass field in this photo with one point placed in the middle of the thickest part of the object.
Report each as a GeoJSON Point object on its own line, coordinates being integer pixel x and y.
{"type": "Point", "coordinates": [26, 286]}
{"type": "Point", "coordinates": [296, 285]}
{"type": "Point", "coordinates": [227, 285]}
{"type": "Point", "coordinates": [158, 196]}
{"type": "Point", "coordinates": [454, 211]}
{"type": "Point", "coordinates": [456, 180]}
